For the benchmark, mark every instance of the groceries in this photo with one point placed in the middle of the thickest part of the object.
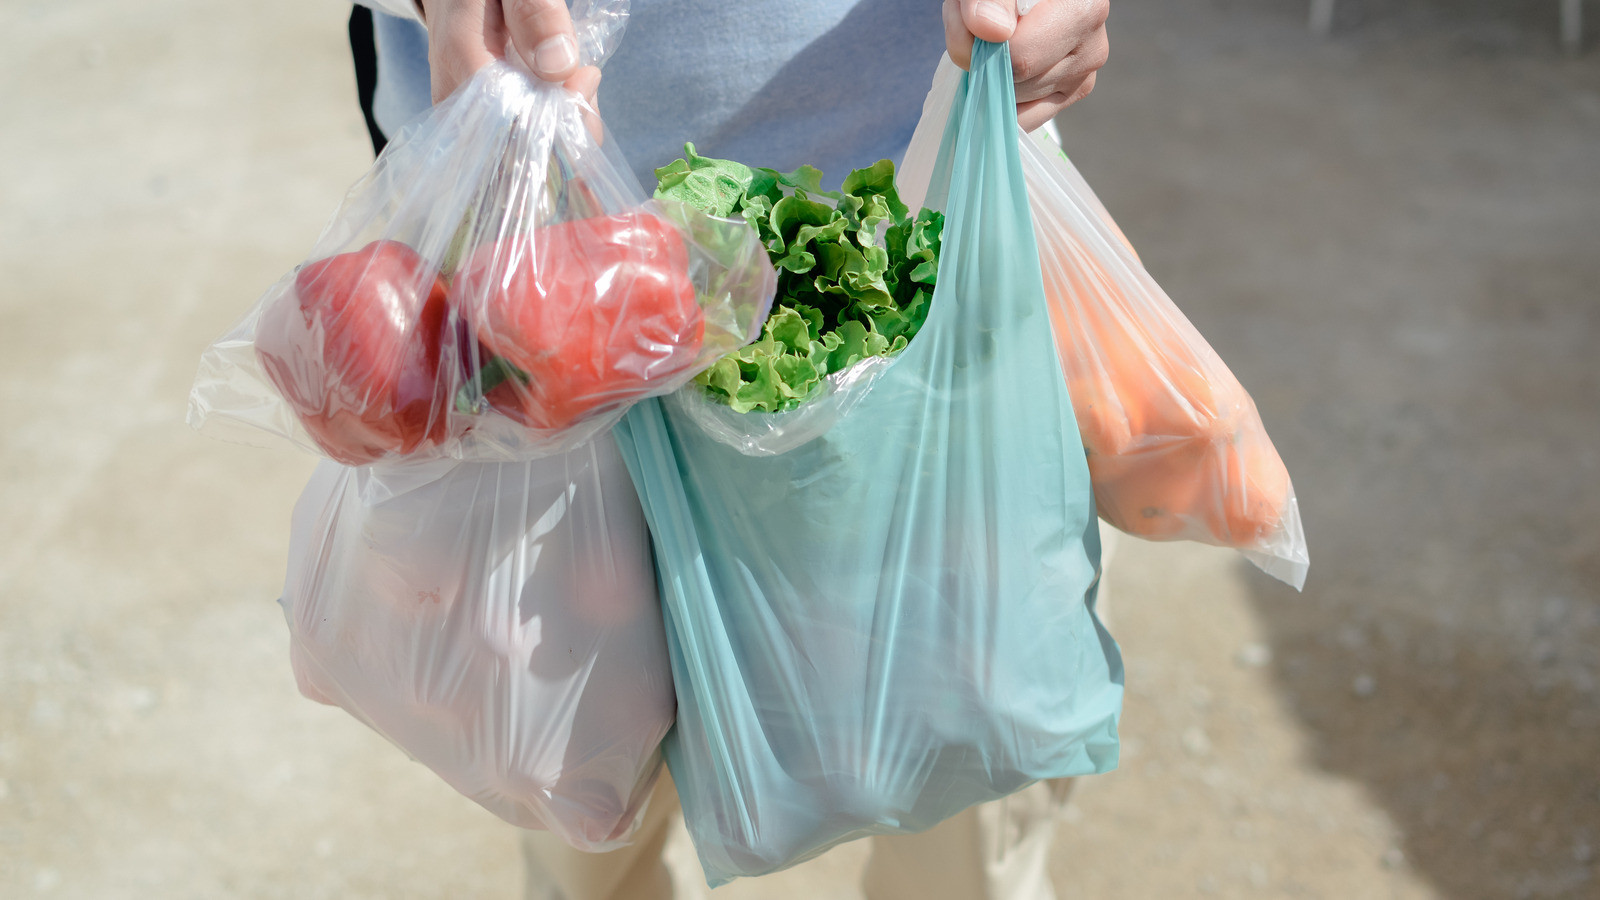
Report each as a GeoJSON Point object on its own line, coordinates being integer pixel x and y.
{"type": "Point", "coordinates": [856, 272]}
{"type": "Point", "coordinates": [496, 288]}
{"type": "Point", "coordinates": [355, 349]}
{"type": "Point", "coordinates": [888, 615]}
{"type": "Point", "coordinates": [584, 313]}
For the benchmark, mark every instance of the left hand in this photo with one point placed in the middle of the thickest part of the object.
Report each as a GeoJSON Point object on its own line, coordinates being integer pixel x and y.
{"type": "Point", "coordinates": [1056, 48]}
{"type": "Point", "coordinates": [466, 35]}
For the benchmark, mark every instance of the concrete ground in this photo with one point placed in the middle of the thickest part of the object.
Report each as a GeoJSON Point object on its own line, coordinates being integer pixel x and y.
{"type": "Point", "coordinates": [1394, 238]}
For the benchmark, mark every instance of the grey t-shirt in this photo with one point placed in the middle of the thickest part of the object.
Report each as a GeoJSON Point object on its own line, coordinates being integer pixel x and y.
{"type": "Point", "coordinates": [837, 84]}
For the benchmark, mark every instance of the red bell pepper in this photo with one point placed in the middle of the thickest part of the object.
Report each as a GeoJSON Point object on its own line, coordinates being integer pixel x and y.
{"type": "Point", "coordinates": [355, 350]}
{"type": "Point", "coordinates": [586, 313]}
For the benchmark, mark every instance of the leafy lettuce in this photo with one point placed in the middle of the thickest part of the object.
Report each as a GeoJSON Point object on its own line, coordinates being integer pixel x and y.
{"type": "Point", "coordinates": [855, 272]}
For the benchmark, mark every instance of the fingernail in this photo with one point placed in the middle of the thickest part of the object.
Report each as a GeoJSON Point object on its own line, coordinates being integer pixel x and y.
{"type": "Point", "coordinates": [995, 14]}
{"type": "Point", "coordinates": [555, 56]}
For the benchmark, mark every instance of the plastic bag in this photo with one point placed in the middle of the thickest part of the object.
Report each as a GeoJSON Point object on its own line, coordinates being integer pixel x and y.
{"type": "Point", "coordinates": [893, 620]}
{"type": "Point", "coordinates": [1177, 450]}
{"type": "Point", "coordinates": [496, 621]}
{"type": "Point", "coordinates": [497, 287]}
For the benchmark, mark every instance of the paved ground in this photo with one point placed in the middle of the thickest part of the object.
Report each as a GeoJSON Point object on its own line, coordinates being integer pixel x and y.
{"type": "Point", "coordinates": [1392, 238]}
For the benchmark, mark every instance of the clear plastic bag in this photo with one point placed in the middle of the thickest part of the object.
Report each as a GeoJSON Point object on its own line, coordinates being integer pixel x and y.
{"type": "Point", "coordinates": [879, 626]}
{"type": "Point", "coordinates": [498, 622]}
{"type": "Point", "coordinates": [1177, 450]}
{"type": "Point", "coordinates": [769, 434]}
{"type": "Point", "coordinates": [497, 287]}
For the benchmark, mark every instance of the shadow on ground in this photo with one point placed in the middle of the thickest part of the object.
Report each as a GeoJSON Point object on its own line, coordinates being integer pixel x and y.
{"type": "Point", "coordinates": [1483, 759]}
{"type": "Point", "coordinates": [1391, 237]}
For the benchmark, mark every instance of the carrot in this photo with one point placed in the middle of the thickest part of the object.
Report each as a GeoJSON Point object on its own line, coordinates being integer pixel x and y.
{"type": "Point", "coordinates": [1175, 447]}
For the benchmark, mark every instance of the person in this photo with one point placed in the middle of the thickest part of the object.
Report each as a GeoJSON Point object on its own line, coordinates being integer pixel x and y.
{"type": "Point", "coordinates": [836, 84]}
{"type": "Point", "coordinates": [832, 83]}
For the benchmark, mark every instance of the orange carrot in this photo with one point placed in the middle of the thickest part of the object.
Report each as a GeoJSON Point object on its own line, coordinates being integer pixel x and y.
{"type": "Point", "coordinates": [1175, 447]}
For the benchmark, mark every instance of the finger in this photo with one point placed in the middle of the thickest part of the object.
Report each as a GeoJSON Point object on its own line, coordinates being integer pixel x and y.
{"type": "Point", "coordinates": [991, 20]}
{"type": "Point", "coordinates": [1083, 90]}
{"type": "Point", "coordinates": [586, 82]}
{"type": "Point", "coordinates": [1063, 83]}
{"type": "Point", "coordinates": [1068, 72]}
{"type": "Point", "coordinates": [957, 39]}
{"type": "Point", "coordinates": [541, 32]}
{"type": "Point", "coordinates": [460, 38]}
{"type": "Point", "coordinates": [1055, 29]}
{"type": "Point", "coordinates": [1034, 113]}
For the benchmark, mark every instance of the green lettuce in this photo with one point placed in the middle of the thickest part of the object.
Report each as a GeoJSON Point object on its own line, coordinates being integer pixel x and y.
{"type": "Point", "coordinates": [856, 272]}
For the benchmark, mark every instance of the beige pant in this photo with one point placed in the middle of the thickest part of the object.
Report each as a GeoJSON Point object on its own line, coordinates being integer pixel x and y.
{"type": "Point", "coordinates": [994, 851]}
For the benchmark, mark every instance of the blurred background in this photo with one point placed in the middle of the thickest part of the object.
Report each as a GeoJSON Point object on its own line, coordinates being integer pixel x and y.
{"type": "Point", "coordinates": [1392, 235]}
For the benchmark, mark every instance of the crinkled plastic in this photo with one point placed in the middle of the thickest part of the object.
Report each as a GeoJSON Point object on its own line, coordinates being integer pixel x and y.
{"type": "Point", "coordinates": [1177, 450]}
{"type": "Point", "coordinates": [769, 434]}
{"type": "Point", "coordinates": [497, 287]}
{"type": "Point", "coordinates": [496, 621]}
{"type": "Point", "coordinates": [884, 624]}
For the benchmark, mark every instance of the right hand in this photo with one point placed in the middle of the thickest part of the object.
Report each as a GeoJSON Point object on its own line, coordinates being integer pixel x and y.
{"type": "Point", "coordinates": [1056, 49]}
{"type": "Point", "coordinates": [466, 35]}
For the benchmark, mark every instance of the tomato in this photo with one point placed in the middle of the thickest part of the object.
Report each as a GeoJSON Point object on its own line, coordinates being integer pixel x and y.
{"type": "Point", "coordinates": [355, 350]}
{"type": "Point", "coordinates": [590, 312]}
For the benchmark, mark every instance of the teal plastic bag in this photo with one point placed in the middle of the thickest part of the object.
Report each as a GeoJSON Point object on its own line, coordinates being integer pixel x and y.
{"type": "Point", "coordinates": [893, 620]}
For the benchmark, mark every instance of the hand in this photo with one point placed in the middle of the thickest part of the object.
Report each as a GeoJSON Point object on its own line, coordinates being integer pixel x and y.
{"type": "Point", "coordinates": [1055, 49]}
{"type": "Point", "coordinates": [466, 35]}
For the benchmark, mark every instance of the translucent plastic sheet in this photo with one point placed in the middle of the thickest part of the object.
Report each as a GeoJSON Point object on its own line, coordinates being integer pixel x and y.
{"type": "Point", "coordinates": [893, 620]}
{"type": "Point", "coordinates": [769, 434]}
{"type": "Point", "coordinates": [497, 287]}
{"type": "Point", "coordinates": [1176, 447]}
{"type": "Point", "coordinates": [496, 621]}
{"type": "Point", "coordinates": [1177, 450]}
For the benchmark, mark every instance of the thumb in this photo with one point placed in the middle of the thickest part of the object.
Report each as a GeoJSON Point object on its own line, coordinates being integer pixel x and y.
{"type": "Point", "coordinates": [541, 32]}
{"type": "Point", "coordinates": [991, 20]}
